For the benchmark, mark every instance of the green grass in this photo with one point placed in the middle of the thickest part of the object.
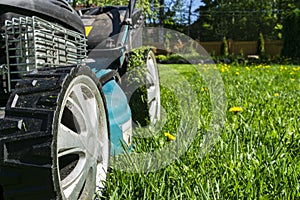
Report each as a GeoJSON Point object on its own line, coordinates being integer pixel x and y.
{"type": "Point", "coordinates": [256, 156]}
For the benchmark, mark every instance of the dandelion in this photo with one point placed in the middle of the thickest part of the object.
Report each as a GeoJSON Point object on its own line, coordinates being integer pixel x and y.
{"type": "Point", "coordinates": [169, 136]}
{"type": "Point", "coordinates": [281, 68]}
{"type": "Point", "coordinates": [204, 89]}
{"type": "Point", "coordinates": [267, 66]}
{"type": "Point", "coordinates": [237, 73]}
{"type": "Point", "coordinates": [276, 95]}
{"type": "Point", "coordinates": [236, 109]}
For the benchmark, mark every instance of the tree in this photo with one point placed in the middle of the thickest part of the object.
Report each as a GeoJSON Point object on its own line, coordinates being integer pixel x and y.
{"type": "Point", "coordinates": [291, 32]}
{"type": "Point", "coordinates": [190, 16]}
{"type": "Point", "coordinates": [98, 2]}
{"type": "Point", "coordinates": [149, 7]}
{"type": "Point", "coordinates": [161, 12]}
{"type": "Point", "coordinates": [239, 20]}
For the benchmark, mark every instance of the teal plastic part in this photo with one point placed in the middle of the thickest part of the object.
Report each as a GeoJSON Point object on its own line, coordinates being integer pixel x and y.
{"type": "Point", "coordinates": [119, 115]}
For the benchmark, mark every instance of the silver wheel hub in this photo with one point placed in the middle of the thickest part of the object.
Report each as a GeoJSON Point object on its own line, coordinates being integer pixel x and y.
{"type": "Point", "coordinates": [153, 90]}
{"type": "Point", "coordinates": [82, 140]}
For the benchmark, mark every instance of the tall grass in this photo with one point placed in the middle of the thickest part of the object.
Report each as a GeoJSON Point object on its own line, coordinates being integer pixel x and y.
{"type": "Point", "coordinates": [257, 154]}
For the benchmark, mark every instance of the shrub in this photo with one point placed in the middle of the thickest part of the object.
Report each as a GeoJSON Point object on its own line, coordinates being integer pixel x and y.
{"type": "Point", "coordinates": [261, 45]}
{"type": "Point", "coordinates": [224, 48]}
{"type": "Point", "coordinates": [161, 58]}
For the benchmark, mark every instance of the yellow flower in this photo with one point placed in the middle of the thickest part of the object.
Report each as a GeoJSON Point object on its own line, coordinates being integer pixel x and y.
{"type": "Point", "coordinates": [236, 109]}
{"type": "Point", "coordinates": [292, 79]}
{"type": "Point", "coordinates": [248, 68]}
{"type": "Point", "coordinates": [237, 73]}
{"type": "Point", "coordinates": [204, 89]}
{"type": "Point", "coordinates": [169, 136]}
{"type": "Point", "coordinates": [276, 95]}
{"type": "Point", "coordinates": [281, 68]}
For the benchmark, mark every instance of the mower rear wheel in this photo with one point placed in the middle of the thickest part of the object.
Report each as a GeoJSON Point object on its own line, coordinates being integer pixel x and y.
{"type": "Point", "coordinates": [153, 88]}
{"type": "Point", "coordinates": [142, 87]}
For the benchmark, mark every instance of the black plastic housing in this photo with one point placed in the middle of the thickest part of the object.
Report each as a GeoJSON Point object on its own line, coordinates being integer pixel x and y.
{"type": "Point", "coordinates": [58, 11]}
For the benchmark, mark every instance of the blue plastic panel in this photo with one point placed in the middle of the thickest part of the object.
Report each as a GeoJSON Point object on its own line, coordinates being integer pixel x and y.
{"type": "Point", "coordinates": [119, 114]}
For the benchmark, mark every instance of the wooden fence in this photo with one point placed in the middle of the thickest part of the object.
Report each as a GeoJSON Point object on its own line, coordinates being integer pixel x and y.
{"type": "Point", "coordinates": [272, 48]}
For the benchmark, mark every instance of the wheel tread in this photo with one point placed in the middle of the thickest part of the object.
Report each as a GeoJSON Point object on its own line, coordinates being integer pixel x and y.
{"type": "Point", "coordinates": [26, 135]}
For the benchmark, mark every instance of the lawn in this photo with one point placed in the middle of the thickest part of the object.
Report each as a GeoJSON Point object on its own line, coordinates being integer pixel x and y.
{"type": "Point", "coordinates": [255, 155]}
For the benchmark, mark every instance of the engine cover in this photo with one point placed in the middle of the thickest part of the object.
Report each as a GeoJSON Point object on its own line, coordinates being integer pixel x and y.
{"type": "Point", "coordinates": [52, 10]}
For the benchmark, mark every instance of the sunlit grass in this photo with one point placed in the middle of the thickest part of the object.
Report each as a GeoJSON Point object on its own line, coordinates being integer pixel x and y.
{"type": "Point", "coordinates": [257, 155]}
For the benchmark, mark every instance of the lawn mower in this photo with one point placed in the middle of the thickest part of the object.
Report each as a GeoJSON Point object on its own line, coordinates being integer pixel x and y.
{"type": "Point", "coordinates": [65, 98]}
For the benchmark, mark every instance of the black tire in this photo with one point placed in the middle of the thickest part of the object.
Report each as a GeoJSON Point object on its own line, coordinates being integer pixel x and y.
{"type": "Point", "coordinates": [45, 137]}
{"type": "Point", "coordinates": [141, 85]}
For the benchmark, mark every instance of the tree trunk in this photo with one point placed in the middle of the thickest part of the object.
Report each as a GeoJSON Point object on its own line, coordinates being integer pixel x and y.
{"type": "Point", "coordinates": [190, 16]}
{"type": "Point", "coordinates": [161, 21]}
{"type": "Point", "coordinates": [161, 12]}
{"type": "Point", "coordinates": [74, 3]}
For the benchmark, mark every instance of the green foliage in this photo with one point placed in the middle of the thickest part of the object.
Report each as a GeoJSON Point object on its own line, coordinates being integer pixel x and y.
{"type": "Point", "coordinates": [261, 45]}
{"type": "Point", "coordinates": [240, 20]}
{"type": "Point", "coordinates": [161, 58]}
{"type": "Point", "coordinates": [137, 67]}
{"type": "Point", "coordinates": [100, 2]}
{"type": "Point", "coordinates": [136, 79]}
{"type": "Point", "coordinates": [291, 32]}
{"type": "Point", "coordinates": [149, 6]}
{"type": "Point", "coordinates": [137, 58]}
{"type": "Point", "coordinates": [180, 59]}
{"type": "Point", "coordinates": [175, 58]}
{"type": "Point", "coordinates": [263, 57]}
{"type": "Point", "coordinates": [224, 47]}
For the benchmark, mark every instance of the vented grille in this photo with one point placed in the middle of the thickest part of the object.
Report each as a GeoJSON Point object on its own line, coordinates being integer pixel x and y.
{"type": "Point", "coordinates": [37, 43]}
{"type": "Point", "coordinates": [33, 43]}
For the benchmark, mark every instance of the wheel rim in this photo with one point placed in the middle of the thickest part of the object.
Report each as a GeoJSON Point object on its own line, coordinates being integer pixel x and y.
{"type": "Point", "coordinates": [82, 140]}
{"type": "Point", "coordinates": [153, 90]}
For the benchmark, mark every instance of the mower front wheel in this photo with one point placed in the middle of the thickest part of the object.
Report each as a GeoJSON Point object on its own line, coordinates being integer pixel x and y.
{"type": "Point", "coordinates": [55, 136]}
{"type": "Point", "coordinates": [81, 153]}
